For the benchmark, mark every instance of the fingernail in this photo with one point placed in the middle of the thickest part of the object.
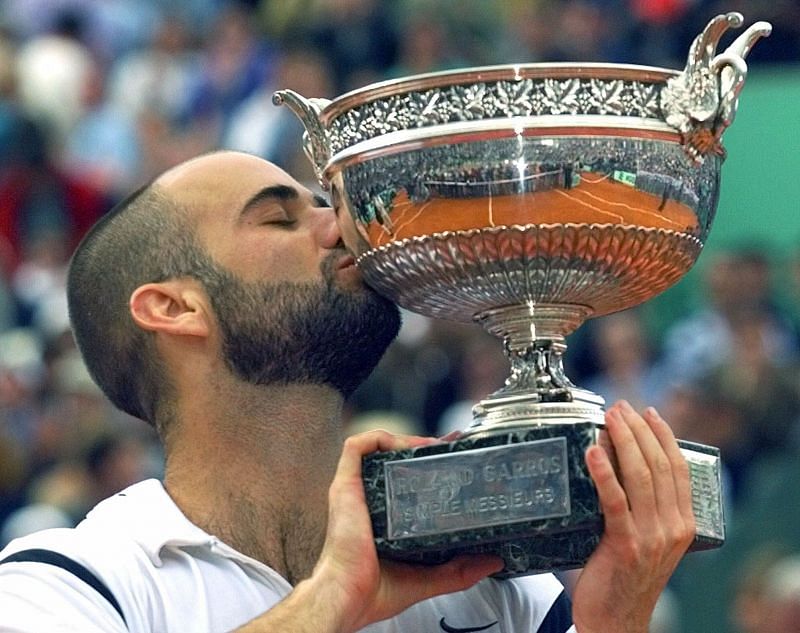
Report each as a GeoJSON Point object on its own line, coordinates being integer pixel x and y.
{"type": "Point", "coordinates": [498, 564]}
{"type": "Point", "coordinates": [595, 454]}
{"type": "Point", "coordinates": [451, 436]}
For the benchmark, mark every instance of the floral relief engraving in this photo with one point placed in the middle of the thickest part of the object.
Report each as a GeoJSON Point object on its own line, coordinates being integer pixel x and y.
{"type": "Point", "coordinates": [495, 100]}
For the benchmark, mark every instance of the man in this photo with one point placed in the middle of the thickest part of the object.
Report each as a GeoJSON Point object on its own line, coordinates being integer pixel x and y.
{"type": "Point", "coordinates": [219, 304]}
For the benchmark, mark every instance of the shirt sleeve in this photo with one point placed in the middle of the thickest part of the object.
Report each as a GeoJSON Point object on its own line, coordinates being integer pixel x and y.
{"type": "Point", "coordinates": [37, 597]}
{"type": "Point", "coordinates": [536, 603]}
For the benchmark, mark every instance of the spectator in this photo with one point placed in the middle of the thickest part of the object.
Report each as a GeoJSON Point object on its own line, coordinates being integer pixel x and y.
{"type": "Point", "coordinates": [424, 47]}
{"type": "Point", "coordinates": [158, 77]}
{"type": "Point", "coordinates": [233, 65]}
{"type": "Point", "coordinates": [737, 282]}
{"type": "Point", "coordinates": [52, 69]}
{"type": "Point", "coordinates": [481, 370]}
{"type": "Point", "coordinates": [358, 38]}
{"type": "Point", "coordinates": [22, 375]}
{"type": "Point", "coordinates": [33, 518]}
{"type": "Point", "coordinates": [103, 146]}
{"type": "Point", "coordinates": [626, 371]}
{"type": "Point", "coordinates": [259, 127]}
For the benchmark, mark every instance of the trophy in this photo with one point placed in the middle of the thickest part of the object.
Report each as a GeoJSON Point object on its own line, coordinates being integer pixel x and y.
{"type": "Point", "coordinates": [528, 198]}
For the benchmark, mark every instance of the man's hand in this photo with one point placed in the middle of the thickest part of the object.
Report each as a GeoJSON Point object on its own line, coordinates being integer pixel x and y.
{"type": "Point", "coordinates": [350, 587]}
{"type": "Point", "coordinates": [369, 589]}
{"type": "Point", "coordinates": [649, 523]}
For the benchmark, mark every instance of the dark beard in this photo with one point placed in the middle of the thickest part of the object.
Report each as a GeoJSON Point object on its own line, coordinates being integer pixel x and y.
{"type": "Point", "coordinates": [312, 333]}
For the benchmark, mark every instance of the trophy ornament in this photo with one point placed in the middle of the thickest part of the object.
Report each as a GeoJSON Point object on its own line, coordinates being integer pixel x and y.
{"type": "Point", "coordinates": [701, 102]}
{"type": "Point", "coordinates": [527, 198]}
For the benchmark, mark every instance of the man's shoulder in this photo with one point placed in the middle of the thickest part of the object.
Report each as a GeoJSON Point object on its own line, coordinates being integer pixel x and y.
{"type": "Point", "coordinates": [108, 565]}
{"type": "Point", "coordinates": [74, 575]}
{"type": "Point", "coordinates": [105, 546]}
{"type": "Point", "coordinates": [156, 564]}
{"type": "Point", "coordinates": [88, 544]}
{"type": "Point", "coordinates": [112, 530]}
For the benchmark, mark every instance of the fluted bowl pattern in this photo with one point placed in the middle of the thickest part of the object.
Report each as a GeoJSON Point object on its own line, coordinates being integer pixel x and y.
{"type": "Point", "coordinates": [457, 274]}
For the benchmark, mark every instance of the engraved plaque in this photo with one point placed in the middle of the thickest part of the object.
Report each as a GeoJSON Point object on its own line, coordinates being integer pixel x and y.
{"type": "Point", "coordinates": [477, 488]}
{"type": "Point", "coordinates": [705, 476]}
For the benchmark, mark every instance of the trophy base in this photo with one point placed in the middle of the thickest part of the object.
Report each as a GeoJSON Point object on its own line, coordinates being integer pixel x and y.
{"type": "Point", "coordinates": [524, 495]}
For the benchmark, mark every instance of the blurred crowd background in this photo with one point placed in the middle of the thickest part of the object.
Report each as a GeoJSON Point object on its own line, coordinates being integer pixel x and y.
{"type": "Point", "coordinates": [98, 96]}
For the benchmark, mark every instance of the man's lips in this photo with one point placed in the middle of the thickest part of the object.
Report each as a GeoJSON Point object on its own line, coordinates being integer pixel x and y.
{"type": "Point", "coordinates": [345, 262]}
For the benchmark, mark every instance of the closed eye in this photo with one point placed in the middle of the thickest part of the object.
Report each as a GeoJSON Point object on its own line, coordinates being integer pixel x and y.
{"type": "Point", "coordinates": [269, 206]}
{"type": "Point", "coordinates": [270, 214]}
{"type": "Point", "coordinates": [283, 222]}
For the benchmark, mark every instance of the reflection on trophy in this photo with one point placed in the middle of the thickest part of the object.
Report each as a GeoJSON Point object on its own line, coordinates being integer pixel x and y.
{"type": "Point", "coordinates": [527, 198]}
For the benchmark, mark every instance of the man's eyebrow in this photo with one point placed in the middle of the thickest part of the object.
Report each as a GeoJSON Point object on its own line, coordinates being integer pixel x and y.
{"type": "Point", "coordinates": [273, 192]}
{"type": "Point", "coordinates": [281, 193]}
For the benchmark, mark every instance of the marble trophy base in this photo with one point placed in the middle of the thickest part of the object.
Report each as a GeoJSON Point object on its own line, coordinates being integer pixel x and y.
{"type": "Point", "coordinates": [523, 494]}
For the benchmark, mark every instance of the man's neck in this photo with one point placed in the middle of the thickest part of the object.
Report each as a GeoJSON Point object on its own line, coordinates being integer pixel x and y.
{"type": "Point", "coordinates": [252, 466]}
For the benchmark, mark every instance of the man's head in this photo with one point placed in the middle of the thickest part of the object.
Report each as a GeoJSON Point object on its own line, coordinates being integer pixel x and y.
{"type": "Point", "coordinates": [232, 236]}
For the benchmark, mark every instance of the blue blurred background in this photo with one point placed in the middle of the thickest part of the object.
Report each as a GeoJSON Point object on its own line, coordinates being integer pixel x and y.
{"type": "Point", "coordinates": [99, 96]}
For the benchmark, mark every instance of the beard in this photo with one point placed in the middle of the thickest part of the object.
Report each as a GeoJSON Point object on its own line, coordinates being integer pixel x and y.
{"type": "Point", "coordinates": [308, 333]}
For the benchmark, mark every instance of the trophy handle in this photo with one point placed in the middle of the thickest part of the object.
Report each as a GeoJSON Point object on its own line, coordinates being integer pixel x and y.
{"type": "Point", "coordinates": [733, 70]}
{"type": "Point", "coordinates": [315, 138]}
{"type": "Point", "coordinates": [743, 44]}
{"type": "Point", "coordinates": [701, 102]}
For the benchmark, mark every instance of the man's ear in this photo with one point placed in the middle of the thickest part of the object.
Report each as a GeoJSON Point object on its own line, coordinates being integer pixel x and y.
{"type": "Point", "coordinates": [172, 307]}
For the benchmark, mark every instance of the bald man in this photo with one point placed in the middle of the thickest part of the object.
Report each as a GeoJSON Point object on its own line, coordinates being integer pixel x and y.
{"type": "Point", "coordinates": [219, 305]}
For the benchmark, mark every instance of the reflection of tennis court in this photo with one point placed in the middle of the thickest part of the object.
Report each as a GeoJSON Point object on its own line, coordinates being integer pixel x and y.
{"type": "Point", "coordinates": [596, 199]}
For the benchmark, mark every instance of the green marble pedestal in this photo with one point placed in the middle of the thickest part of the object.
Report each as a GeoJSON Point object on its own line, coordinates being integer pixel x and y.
{"type": "Point", "coordinates": [524, 495]}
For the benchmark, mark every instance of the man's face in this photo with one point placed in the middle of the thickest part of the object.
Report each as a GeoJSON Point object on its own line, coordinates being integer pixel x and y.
{"type": "Point", "coordinates": [257, 221]}
{"type": "Point", "coordinates": [310, 332]}
{"type": "Point", "coordinates": [290, 303]}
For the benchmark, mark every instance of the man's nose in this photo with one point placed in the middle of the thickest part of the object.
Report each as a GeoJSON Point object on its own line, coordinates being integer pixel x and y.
{"type": "Point", "coordinates": [329, 233]}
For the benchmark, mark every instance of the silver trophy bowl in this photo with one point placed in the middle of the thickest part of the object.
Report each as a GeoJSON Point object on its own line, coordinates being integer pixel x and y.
{"type": "Point", "coordinates": [531, 197]}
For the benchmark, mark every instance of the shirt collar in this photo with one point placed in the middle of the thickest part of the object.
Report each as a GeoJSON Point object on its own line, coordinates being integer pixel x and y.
{"type": "Point", "coordinates": [149, 516]}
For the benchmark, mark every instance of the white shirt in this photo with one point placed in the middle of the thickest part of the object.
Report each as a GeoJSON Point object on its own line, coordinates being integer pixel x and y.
{"type": "Point", "coordinates": [168, 575]}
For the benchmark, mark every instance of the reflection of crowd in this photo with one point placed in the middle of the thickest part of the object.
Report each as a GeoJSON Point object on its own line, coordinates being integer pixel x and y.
{"type": "Point", "coordinates": [97, 97]}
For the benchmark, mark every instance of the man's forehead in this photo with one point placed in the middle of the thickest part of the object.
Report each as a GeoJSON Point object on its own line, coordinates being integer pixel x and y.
{"type": "Point", "coordinates": [222, 177]}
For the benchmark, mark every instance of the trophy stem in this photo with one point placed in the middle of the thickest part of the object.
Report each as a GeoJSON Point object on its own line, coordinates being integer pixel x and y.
{"type": "Point", "coordinates": [537, 389]}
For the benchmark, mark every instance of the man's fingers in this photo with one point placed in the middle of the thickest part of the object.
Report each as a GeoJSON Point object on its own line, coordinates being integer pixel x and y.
{"type": "Point", "coordinates": [680, 469]}
{"type": "Point", "coordinates": [634, 469]}
{"type": "Point", "coordinates": [654, 478]}
{"type": "Point", "coordinates": [658, 461]}
{"type": "Point", "coordinates": [613, 500]}
{"type": "Point", "coordinates": [463, 572]}
{"type": "Point", "coordinates": [356, 446]}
